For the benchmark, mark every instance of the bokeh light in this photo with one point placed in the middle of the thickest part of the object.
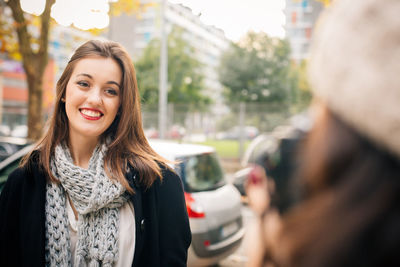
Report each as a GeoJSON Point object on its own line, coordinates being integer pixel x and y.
{"type": "Point", "coordinates": [35, 7]}
{"type": "Point", "coordinates": [85, 15]}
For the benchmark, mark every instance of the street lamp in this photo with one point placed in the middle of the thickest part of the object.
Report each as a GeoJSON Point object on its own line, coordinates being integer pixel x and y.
{"type": "Point", "coordinates": [163, 76]}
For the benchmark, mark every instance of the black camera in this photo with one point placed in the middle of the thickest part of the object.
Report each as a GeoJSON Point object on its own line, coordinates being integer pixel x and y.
{"type": "Point", "coordinates": [280, 164]}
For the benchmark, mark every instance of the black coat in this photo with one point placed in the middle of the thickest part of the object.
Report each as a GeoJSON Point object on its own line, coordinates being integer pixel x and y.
{"type": "Point", "coordinates": [162, 225]}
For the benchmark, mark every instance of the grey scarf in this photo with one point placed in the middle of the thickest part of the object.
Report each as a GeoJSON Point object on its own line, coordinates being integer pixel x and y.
{"type": "Point", "coordinates": [97, 200]}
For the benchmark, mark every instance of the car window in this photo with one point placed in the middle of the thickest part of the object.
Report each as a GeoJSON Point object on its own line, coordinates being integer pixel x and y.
{"type": "Point", "coordinates": [6, 171]}
{"type": "Point", "coordinates": [202, 172]}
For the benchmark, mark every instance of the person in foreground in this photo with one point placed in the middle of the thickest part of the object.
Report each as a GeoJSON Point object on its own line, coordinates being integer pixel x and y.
{"type": "Point", "coordinates": [349, 214]}
{"type": "Point", "coordinates": [93, 192]}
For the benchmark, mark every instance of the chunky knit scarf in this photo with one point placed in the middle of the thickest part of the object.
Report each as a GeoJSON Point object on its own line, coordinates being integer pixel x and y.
{"type": "Point", "coordinates": [97, 200]}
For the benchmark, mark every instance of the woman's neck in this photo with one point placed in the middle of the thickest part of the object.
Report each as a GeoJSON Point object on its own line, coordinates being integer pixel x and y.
{"type": "Point", "coordinates": [81, 150]}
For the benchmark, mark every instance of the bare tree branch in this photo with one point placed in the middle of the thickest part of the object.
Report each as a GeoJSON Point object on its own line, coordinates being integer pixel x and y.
{"type": "Point", "coordinates": [44, 31]}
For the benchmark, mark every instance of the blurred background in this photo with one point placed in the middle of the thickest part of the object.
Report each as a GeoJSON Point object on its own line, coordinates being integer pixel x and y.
{"type": "Point", "coordinates": [232, 69]}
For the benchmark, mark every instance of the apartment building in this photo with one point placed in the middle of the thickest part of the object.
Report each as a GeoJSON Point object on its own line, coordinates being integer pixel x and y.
{"type": "Point", "coordinates": [209, 42]}
{"type": "Point", "coordinates": [301, 16]}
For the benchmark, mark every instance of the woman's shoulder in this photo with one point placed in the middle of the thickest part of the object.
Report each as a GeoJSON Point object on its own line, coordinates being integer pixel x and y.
{"type": "Point", "coordinates": [16, 181]}
{"type": "Point", "coordinates": [167, 171]}
{"type": "Point", "coordinates": [18, 175]}
{"type": "Point", "coordinates": [27, 173]}
{"type": "Point", "coordinates": [167, 181]}
{"type": "Point", "coordinates": [170, 181]}
{"type": "Point", "coordinates": [24, 173]}
{"type": "Point", "coordinates": [168, 174]}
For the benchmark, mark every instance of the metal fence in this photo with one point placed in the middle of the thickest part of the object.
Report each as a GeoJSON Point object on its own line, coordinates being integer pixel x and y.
{"type": "Point", "coordinates": [218, 122]}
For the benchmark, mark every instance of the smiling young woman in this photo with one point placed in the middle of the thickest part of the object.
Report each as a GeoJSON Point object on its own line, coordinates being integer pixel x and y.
{"type": "Point", "coordinates": [93, 192]}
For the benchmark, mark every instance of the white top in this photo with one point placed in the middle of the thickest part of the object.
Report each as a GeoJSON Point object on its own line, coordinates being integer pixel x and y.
{"type": "Point", "coordinates": [126, 242]}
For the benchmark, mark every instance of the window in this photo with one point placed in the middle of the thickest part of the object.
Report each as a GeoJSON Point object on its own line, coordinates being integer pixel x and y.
{"type": "Point", "coordinates": [294, 17]}
{"type": "Point", "coordinates": [201, 172]}
{"type": "Point", "coordinates": [308, 32]}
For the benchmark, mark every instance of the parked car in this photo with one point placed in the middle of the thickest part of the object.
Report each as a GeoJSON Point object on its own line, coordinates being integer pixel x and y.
{"type": "Point", "coordinates": [20, 131]}
{"type": "Point", "coordinates": [5, 130]}
{"type": "Point", "coordinates": [175, 132]}
{"type": "Point", "coordinates": [11, 162]}
{"type": "Point", "coordinates": [213, 206]}
{"type": "Point", "coordinates": [10, 145]}
{"type": "Point", "coordinates": [151, 133]}
{"type": "Point", "coordinates": [249, 132]}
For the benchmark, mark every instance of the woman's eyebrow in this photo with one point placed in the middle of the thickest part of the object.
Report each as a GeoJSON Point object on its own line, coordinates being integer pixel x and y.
{"type": "Point", "coordinates": [90, 76]}
{"type": "Point", "coordinates": [112, 82]}
{"type": "Point", "coordinates": [85, 74]}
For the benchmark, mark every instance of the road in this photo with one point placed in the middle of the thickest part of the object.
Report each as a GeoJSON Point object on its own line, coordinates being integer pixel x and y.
{"type": "Point", "coordinates": [239, 258]}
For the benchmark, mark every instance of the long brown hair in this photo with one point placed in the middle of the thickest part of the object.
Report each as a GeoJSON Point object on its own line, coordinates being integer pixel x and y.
{"type": "Point", "coordinates": [128, 142]}
{"type": "Point", "coordinates": [351, 212]}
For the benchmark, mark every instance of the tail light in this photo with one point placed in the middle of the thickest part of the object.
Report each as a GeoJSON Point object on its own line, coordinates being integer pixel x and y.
{"type": "Point", "coordinates": [194, 210]}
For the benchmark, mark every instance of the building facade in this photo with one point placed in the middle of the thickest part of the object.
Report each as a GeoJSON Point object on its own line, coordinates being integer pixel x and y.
{"type": "Point", "coordinates": [301, 16]}
{"type": "Point", "coordinates": [208, 41]}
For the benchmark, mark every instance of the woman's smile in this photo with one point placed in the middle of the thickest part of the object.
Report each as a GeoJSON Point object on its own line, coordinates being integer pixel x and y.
{"type": "Point", "coordinates": [91, 114]}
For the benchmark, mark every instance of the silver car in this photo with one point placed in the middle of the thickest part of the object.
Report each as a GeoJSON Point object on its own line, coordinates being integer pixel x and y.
{"type": "Point", "coordinates": [213, 206]}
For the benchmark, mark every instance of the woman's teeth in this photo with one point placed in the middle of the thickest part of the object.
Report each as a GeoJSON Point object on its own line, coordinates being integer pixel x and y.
{"type": "Point", "coordinates": [90, 113]}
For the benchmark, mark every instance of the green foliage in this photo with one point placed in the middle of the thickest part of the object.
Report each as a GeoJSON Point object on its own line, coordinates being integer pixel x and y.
{"type": "Point", "coordinates": [185, 80]}
{"type": "Point", "coordinates": [256, 69]}
{"type": "Point", "coordinates": [300, 88]}
{"type": "Point", "coordinates": [147, 72]}
{"type": "Point", "coordinates": [8, 38]}
{"type": "Point", "coordinates": [226, 149]}
{"type": "Point", "coordinates": [265, 116]}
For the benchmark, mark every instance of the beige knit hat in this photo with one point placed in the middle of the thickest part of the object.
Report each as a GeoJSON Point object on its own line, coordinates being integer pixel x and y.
{"type": "Point", "coordinates": [355, 66]}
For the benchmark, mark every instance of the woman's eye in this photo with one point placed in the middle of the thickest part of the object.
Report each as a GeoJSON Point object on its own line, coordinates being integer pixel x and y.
{"type": "Point", "coordinates": [83, 84]}
{"type": "Point", "coordinates": [112, 92]}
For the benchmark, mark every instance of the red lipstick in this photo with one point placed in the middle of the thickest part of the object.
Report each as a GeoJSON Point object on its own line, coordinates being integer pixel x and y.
{"type": "Point", "coordinates": [91, 117]}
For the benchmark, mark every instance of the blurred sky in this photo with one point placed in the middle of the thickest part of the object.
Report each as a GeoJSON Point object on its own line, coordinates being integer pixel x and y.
{"type": "Point", "coordinates": [236, 17]}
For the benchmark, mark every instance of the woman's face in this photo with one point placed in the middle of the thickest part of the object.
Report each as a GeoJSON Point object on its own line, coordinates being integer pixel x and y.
{"type": "Point", "coordinates": [92, 97]}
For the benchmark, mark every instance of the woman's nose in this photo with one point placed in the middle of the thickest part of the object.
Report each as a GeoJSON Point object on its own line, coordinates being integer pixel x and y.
{"type": "Point", "coordinates": [94, 96]}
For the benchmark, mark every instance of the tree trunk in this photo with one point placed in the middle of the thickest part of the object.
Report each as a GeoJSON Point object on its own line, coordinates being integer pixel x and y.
{"type": "Point", "coordinates": [35, 103]}
{"type": "Point", "coordinates": [34, 63]}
